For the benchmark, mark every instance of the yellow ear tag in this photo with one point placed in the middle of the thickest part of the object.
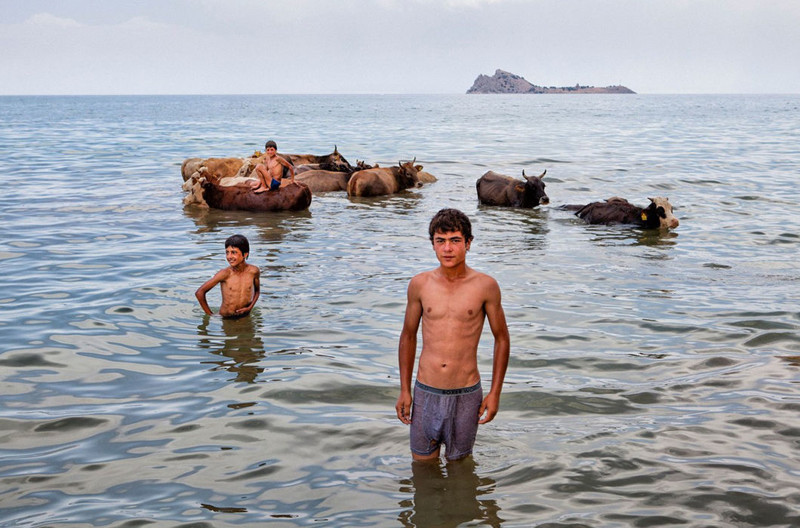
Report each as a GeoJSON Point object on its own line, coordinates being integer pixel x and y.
{"type": "Point", "coordinates": [644, 217]}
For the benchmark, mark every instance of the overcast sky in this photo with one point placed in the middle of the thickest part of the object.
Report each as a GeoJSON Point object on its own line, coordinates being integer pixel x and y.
{"type": "Point", "coordinates": [395, 46]}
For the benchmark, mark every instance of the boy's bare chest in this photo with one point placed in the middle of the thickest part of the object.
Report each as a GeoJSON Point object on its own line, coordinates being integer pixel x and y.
{"type": "Point", "coordinates": [457, 304]}
{"type": "Point", "coordinates": [238, 281]}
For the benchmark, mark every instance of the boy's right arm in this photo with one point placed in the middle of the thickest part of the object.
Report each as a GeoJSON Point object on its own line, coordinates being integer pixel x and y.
{"type": "Point", "coordinates": [203, 289]}
{"type": "Point", "coordinates": [407, 351]}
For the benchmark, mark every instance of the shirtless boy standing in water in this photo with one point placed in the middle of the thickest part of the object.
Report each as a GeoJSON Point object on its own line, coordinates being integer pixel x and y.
{"type": "Point", "coordinates": [270, 173]}
{"type": "Point", "coordinates": [239, 283]}
{"type": "Point", "coordinates": [452, 302]}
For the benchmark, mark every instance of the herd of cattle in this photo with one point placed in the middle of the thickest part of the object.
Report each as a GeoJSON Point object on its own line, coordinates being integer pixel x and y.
{"type": "Point", "coordinates": [225, 183]}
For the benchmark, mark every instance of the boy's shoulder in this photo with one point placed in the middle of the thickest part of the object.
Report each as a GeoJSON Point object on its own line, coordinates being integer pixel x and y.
{"type": "Point", "coordinates": [224, 272]}
{"type": "Point", "coordinates": [423, 275]}
{"type": "Point", "coordinates": [485, 280]}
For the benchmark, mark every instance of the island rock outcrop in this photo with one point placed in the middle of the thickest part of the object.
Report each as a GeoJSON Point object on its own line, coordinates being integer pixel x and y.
{"type": "Point", "coordinates": [503, 82]}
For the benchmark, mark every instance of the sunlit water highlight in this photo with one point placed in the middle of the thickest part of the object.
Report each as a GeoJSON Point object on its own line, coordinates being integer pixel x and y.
{"type": "Point", "coordinates": [654, 376]}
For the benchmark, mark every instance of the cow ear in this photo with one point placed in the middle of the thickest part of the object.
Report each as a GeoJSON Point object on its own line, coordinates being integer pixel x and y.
{"type": "Point", "coordinates": [519, 188]}
{"type": "Point", "coordinates": [644, 216]}
{"type": "Point", "coordinates": [418, 167]}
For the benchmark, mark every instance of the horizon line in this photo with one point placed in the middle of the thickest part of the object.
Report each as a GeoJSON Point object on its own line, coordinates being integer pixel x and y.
{"type": "Point", "coordinates": [189, 94]}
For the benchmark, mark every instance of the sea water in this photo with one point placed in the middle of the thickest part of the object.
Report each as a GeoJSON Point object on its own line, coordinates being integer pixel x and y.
{"type": "Point", "coordinates": [654, 376]}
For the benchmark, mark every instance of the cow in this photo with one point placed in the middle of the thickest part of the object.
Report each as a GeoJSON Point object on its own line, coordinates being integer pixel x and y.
{"type": "Point", "coordinates": [424, 177]}
{"type": "Point", "coordinates": [616, 210]}
{"type": "Point", "coordinates": [190, 166]}
{"type": "Point", "coordinates": [300, 169]}
{"type": "Point", "coordinates": [217, 168]}
{"type": "Point", "coordinates": [384, 180]}
{"type": "Point", "coordinates": [332, 162]}
{"type": "Point", "coordinates": [498, 189]}
{"type": "Point", "coordinates": [240, 197]}
{"type": "Point", "coordinates": [320, 181]}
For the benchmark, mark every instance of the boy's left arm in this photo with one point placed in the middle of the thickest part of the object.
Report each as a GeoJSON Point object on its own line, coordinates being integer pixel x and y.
{"type": "Point", "coordinates": [288, 165]}
{"type": "Point", "coordinates": [256, 292]}
{"type": "Point", "coordinates": [502, 350]}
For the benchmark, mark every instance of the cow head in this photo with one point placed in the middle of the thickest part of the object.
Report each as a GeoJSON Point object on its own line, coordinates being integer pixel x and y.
{"type": "Point", "coordinates": [533, 190]}
{"type": "Point", "coordinates": [337, 162]}
{"type": "Point", "coordinates": [363, 165]}
{"type": "Point", "coordinates": [409, 174]}
{"type": "Point", "coordinates": [661, 209]}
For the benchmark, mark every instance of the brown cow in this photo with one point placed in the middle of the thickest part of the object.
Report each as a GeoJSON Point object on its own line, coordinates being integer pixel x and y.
{"type": "Point", "coordinates": [616, 210]}
{"type": "Point", "coordinates": [290, 197]}
{"type": "Point", "coordinates": [190, 166]}
{"type": "Point", "coordinates": [332, 162]}
{"type": "Point", "coordinates": [320, 181]}
{"type": "Point", "coordinates": [426, 177]}
{"type": "Point", "coordinates": [384, 180]}
{"type": "Point", "coordinates": [216, 168]}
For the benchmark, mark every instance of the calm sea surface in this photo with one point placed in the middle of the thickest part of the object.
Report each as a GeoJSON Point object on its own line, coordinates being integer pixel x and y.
{"type": "Point", "coordinates": [654, 377]}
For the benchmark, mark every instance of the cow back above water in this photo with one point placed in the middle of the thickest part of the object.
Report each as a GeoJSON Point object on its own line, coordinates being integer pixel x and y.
{"type": "Point", "coordinates": [384, 180]}
{"type": "Point", "coordinates": [320, 181]}
{"type": "Point", "coordinates": [289, 197]}
{"type": "Point", "coordinates": [331, 162]}
{"type": "Point", "coordinates": [616, 210]}
{"type": "Point", "coordinates": [498, 189]}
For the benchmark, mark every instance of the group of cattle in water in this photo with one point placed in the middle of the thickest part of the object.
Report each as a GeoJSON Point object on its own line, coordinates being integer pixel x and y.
{"type": "Point", "coordinates": [225, 183]}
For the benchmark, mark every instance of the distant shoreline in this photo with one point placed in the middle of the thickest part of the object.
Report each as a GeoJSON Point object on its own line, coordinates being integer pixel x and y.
{"type": "Point", "coordinates": [503, 82]}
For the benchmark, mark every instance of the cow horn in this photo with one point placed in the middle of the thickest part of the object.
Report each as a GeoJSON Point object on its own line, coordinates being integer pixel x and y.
{"type": "Point", "coordinates": [652, 200]}
{"type": "Point", "coordinates": [529, 177]}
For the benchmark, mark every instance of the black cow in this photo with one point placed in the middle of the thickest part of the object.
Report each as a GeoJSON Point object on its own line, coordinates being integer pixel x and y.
{"type": "Point", "coordinates": [498, 189]}
{"type": "Point", "coordinates": [616, 210]}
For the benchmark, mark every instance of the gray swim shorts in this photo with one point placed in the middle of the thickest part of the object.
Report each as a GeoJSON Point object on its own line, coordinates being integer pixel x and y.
{"type": "Point", "coordinates": [445, 416]}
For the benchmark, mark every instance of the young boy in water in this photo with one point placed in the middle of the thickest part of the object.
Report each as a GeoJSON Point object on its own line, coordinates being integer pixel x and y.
{"type": "Point", "coordinates": [452, 301]}
{"type": "Point", "coordinates": [270, 173]}
{"type": "Point", "coordinates": [239, 283]}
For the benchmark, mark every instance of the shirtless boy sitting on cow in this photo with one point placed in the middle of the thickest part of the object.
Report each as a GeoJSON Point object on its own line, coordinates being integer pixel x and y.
{"type": "Point", "coordinates": [452, 301]}
{"type": "Point", "coordinates": [270, 173]}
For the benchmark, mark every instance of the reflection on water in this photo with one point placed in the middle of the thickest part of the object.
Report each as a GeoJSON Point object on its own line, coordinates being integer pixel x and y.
{"type": "Point", "coordinates": [239, 344]}
{"type": "Point", "coordinates": [448, 495]}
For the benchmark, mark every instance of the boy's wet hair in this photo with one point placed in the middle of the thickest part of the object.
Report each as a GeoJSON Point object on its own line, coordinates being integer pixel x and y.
{"type": "Point", "coordinates": [448, 220]}
{"type": "Point", "coordinates": [269, 144]}
{"type": "Point", "coordinates": [239, 242]}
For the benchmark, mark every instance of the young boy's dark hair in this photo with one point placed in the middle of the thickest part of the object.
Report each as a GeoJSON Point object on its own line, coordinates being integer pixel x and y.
{"type": "Point", "coordinates": [448, 220]}
{"type": "Point", "coordinates": [240, 242]}
{"type": "Point", "coordinates": [269, 144]}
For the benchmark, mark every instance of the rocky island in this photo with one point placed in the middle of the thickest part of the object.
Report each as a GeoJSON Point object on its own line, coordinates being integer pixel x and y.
{"type": "Point", "coordinates": [503, 82]}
